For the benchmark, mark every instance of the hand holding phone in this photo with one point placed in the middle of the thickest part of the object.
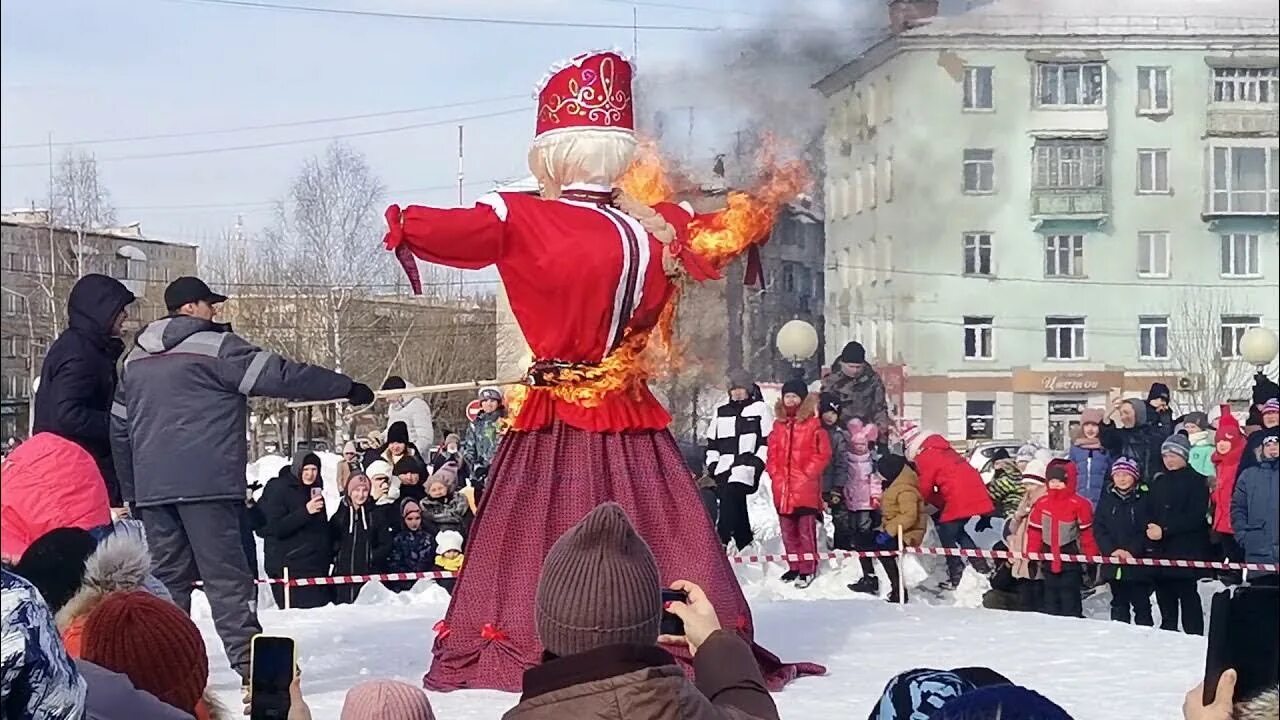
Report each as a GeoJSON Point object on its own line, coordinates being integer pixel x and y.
{"type": "Point", "coordinates": [316, 503]}
{"type": "Point", "coordinates": [696, 613]}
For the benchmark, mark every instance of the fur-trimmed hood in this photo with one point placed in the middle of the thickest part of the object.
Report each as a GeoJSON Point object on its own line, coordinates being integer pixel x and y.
{"type": "Point", "coordinates": [121, 563]}
{"type": "Point", "coordinates": [808, 409]}
{"type": "Point", "coordinates": [1260, 707]}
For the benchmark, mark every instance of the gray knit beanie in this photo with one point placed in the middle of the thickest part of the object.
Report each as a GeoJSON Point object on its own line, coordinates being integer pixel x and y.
{"type": "Point", "coordinates": [1177, 444]}
{"type": "Point", "coordinates": [599, 586]}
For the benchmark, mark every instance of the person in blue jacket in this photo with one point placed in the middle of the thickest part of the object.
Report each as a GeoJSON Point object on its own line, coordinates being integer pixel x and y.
{"type": "Point", "coordinates": [1255, 507]}
{"type": "Point", "coordinates": [1091, 459]}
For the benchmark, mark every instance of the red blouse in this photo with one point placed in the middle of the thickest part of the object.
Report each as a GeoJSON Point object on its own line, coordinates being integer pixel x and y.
{"type": "Point", "coordinates": [580, 275]}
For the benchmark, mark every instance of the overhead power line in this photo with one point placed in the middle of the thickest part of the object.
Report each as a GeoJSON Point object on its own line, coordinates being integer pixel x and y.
{"type": "Point", "coordinates": [264, 126]}
{"type": "Point", "coordinates": [296, 141]}
{"type": "Point", "coordinates": [255, 5]}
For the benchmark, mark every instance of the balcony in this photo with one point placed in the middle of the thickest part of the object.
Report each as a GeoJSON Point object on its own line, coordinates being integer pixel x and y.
{"type": "Point", "coordinates": [1235, 119]}
{"type": "Point", "coordinates": [1069, 203]}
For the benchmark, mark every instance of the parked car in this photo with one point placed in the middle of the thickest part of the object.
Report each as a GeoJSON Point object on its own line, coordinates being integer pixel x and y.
{"type": "Point", "coordinates": [979, 455]}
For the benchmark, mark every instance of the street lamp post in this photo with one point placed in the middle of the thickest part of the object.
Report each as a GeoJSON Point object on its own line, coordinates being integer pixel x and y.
{"type": "Point", "coordinates": [797, 341]}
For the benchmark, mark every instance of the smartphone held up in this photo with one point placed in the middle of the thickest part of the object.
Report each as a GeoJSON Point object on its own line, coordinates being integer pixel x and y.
{"type": "Point", "coordinates": [1244, 623]}
{"type": "Point", "coordinates": [273, 663]}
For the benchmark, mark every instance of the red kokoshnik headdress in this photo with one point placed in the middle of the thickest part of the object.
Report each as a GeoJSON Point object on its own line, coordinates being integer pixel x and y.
{"type": "Point", "coordinates": [591, 91]}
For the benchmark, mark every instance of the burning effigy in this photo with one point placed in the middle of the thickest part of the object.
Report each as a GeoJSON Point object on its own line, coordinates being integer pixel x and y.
{"type": "Point", "coordinates": [592, 269]}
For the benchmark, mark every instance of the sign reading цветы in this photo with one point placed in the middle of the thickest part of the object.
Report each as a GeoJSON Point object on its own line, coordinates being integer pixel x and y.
{"type": "Point", "coordinates": [1033, 381]}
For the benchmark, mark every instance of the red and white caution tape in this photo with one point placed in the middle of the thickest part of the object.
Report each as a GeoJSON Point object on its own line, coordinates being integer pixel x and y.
{"type": "Point", "coordinates": [835, 555]}
{"type": "Point", "coordinates": [1098, 559]}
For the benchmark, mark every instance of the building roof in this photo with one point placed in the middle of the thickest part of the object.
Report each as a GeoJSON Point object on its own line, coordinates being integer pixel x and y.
{"type": "Point", "coordinates": [1116, 21]}
{"type": "Point", "coordinates": [1108, 17]}
{"type": "Point", "coordinates": [36, 218]}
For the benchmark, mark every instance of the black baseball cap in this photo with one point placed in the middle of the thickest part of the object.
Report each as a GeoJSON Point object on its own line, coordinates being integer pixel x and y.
{"type": "Point", "coordinates": [187, 289]}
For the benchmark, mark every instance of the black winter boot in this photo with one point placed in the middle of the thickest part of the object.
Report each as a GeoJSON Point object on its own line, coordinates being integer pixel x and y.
{"type": "Point", "coordinates": [869, 584]}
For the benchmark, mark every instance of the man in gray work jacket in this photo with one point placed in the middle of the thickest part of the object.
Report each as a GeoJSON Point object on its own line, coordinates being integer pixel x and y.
{"type": "Point", "coordinates": [179, 445]}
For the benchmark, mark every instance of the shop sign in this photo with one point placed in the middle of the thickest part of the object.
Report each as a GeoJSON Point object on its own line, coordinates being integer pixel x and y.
{"type": "Point", "coordinates": [1031, 381]}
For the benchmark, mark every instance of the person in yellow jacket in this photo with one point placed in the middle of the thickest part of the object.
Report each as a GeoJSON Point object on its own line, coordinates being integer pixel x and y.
{"type": "Point", "coordinates": [448, 556]}
{"type": "Point", "coordinates": [901, 513]}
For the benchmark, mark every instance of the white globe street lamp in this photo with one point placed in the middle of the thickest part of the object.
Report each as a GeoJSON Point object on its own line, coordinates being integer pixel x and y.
{"type": "Point", "coordinates": [1258, 346]}
{"type": "Point", "coordinates": [797, 341]}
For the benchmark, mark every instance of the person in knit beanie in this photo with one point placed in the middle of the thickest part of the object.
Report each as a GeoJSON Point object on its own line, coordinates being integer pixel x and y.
{"type": "Point", "coordinates": [152, 642]}
{"type": "Point", "coordinates": [598, 611]}
{"type": "Point", "coordinates": [386, 700]}
{"type": "Point", "coordinates": [1007, 702]}
{"type": "Point", "coordinates": [54, 564]}
{"type": "Point", "coordinates": [1178, 500]}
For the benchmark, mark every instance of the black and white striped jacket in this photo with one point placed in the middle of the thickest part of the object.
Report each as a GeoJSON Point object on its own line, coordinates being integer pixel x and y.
{"type": "Point", "coordinates": [738, 442]}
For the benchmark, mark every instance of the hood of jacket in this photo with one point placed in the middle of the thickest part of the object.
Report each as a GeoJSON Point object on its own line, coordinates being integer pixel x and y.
{"type": "Point", "coordinates": [301, 459]}
{"type": "Point", "coordinates": [1140, 409]}
{"type": "Point", "coordinates": [113, 695]}
{"type": "Point", "coordinates": [165, 334]}
{"type": "Point", "coordinates": [1228, 427]}
{"type": "Point", "coordinates": [94, 302]}
{"type": "Point", "coordinates": [808, 409]}
{"type": "Point", "coordinates": [925, 440]}
{"type": "Point", "coordinates": [120, 563]}
{"type": "Point", "coordinates": [1071, 480]}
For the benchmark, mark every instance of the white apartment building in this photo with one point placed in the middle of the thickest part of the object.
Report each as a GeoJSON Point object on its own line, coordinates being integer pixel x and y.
{"type": "Point", "coordinates": [1034, 204]}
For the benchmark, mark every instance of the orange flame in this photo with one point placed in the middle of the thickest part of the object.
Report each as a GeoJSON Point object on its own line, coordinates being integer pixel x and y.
{"type": "Point", "coordinates": [646, 180]}
{"type": "Point", "coordinates": [749, 216]}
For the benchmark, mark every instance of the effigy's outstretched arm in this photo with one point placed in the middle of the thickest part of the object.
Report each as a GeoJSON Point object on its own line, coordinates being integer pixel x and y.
{"type": "Point", "coordinates": [467, 238]}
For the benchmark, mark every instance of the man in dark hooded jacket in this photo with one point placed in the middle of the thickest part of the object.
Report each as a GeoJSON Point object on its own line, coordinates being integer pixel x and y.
{"type": "Point", "coordinates": [78, 377]}
{"type": "Point", "coordinates": [296, 530]}
{"type": "Point", "coordinates": [859, 388]}
{"type": "Point", "coordinates": [1129, 433]}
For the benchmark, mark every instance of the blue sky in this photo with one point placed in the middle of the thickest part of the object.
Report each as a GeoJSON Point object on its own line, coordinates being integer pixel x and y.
{"type": "Point", "coordinates": [86, 70]}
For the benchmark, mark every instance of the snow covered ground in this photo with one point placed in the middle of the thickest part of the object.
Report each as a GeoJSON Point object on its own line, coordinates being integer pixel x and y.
{"type": "Point", "coordinates": [1092, 667]}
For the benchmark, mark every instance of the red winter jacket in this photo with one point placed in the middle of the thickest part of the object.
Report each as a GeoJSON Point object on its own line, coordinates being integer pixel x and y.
{"type": "Point", "coordinates": [1225, 469]}
{"type": "Point", "coordinates": [947, 480]}
{"type": "Point", "coordinates": [48, 483]}
{"type": "Point", "coordinates": [798, 453]}
{"type": "Point", "coordinates": [1061, 519]}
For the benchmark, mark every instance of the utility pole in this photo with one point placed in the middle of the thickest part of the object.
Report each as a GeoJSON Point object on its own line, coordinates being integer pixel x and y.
{"type": "Point", "coordinates": [635, 33]}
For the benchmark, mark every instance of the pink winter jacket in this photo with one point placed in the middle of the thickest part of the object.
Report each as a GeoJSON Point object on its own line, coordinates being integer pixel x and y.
{"type": "Point", "coordinates": [863, 489]}
{"type": "Point", "coordinates": [48, 483]}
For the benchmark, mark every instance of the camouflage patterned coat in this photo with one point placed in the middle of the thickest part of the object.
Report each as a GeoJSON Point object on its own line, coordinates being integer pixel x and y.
{"type": "Point", "coordinates": [860, 397]}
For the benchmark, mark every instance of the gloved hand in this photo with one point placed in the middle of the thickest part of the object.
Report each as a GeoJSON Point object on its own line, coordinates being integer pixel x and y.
{"type": "Point", "coordinates": [359, 394]}
{"type": "Point", "coordinates": [875, 502]}
{"type": "Point", "coordinates": [833, 498]}
{"type": "Point", "coordinates": [884, 539]}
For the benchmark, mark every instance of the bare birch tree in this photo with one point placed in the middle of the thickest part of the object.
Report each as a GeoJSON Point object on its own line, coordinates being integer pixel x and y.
{"type": "Point", "coordinates": [1204, 349]}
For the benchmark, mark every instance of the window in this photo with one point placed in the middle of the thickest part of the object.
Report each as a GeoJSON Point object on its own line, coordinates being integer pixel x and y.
{"type": "Point", "coordinates": [1233, 328]}
{"type": "Point", "coordinates": [979, 170]}
{"type": "Point", "coordinates": [1153, 254]}
{"type": "Point", "coordinates": [1153, 91]}
{"type": "Point", "coordinates": [1153, 337]}
{"type": "Point", "coordinates": [1069, 85]}
{"type": "Point", "coordinates": [14, 303]}
{"type": "Point", "coordinates": [1245, 85]}
{"type": "Point", "coordinates": [1153, 171]}
{"type": "Point", "coordinates": [888, 177]}
{"type": "Point", "coordinates": [1070, 164]}
{"type": "Point", "coordinates": [977, 254]}
{"type": "Point", "coordinates": [1245, 180]}
{"type": "Point", "coordinates": [977, 88]}
{"type": "Point", "coordinates": [1064, 256]}
{"type": "Point", "coordinates": [1240, 255]}
{"type": "Point", "coordinates": [871, 186]}
{"type": "Point", "coordinates": [857, 190]}
{"type": "Point", "coordinates": [871, 105]}
{"type": "Point", "coordinates": [842, 197]}
{"type": "Point", "coordinates": [977, 337]}
{"type": "Point", "coordinates": [1064, 338]}
{"type": "Point", "coordinates": [979, 419]}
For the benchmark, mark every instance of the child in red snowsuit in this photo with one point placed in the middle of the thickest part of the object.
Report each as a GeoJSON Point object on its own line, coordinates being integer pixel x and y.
{"type": "Point", "coordinates": [1228, 450]}
{"type": "Point", "coordinates": [798, 453]}
{"type": "Point", "coordinates": [1062, 522]}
